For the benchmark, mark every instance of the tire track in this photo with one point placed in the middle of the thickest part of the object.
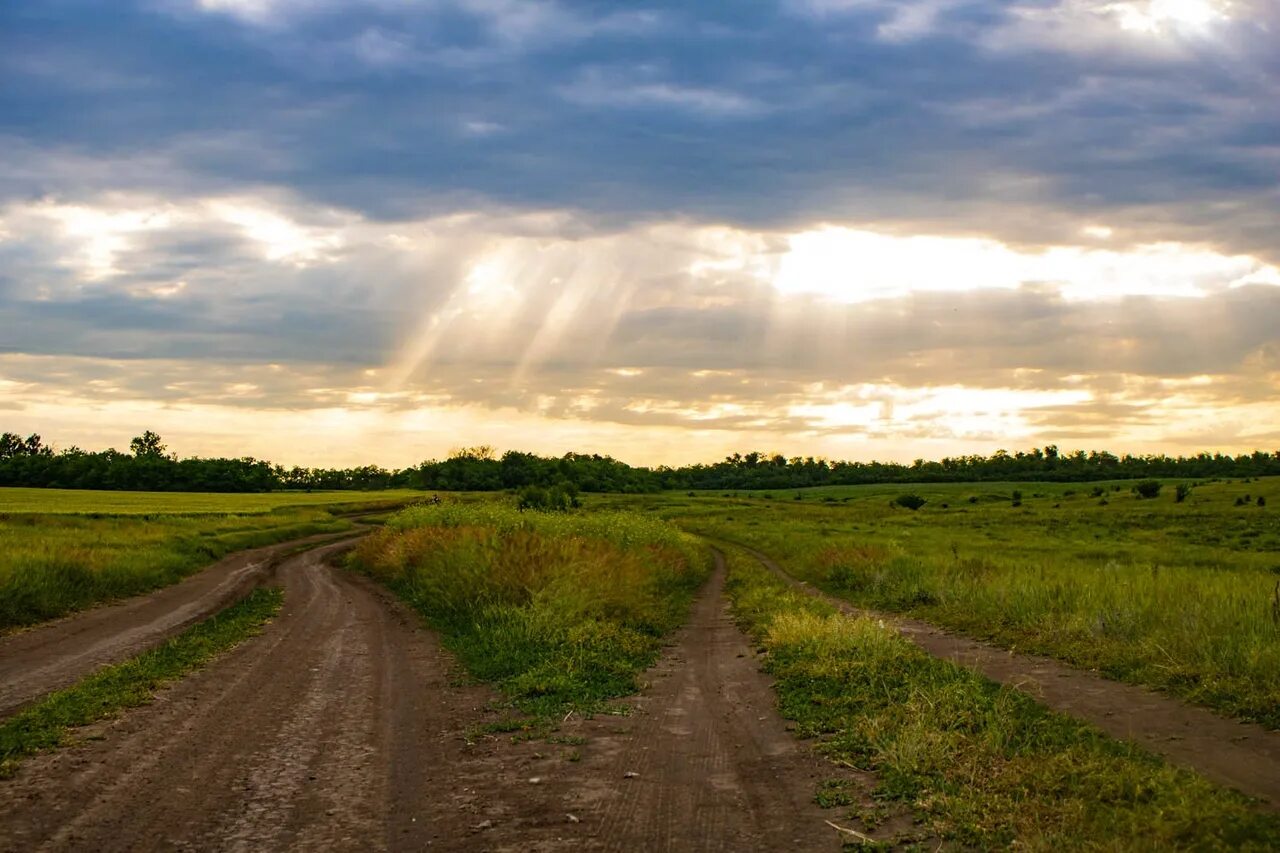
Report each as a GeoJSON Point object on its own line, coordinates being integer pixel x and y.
{"type": "Point", "coordinates": [57, 654]}
{"type": "Point", "coordinates": [300, 739]}
{"type": "Point", "coordinates": [1244, 756]}
{"type": "Point", "coordinates": [703, 762]}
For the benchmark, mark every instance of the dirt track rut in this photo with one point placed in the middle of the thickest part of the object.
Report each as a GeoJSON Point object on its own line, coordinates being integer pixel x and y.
{"type": "Point", "coordinates": [339, 728]}
{"type": "Point", "coordinates": [52, 656]}
{"type": "Point", "coordinates": [714, 766]}
{"type": "Point", "coordinates": [1244, 756]}
{"type": "Point", "coordinates": [324, 733]}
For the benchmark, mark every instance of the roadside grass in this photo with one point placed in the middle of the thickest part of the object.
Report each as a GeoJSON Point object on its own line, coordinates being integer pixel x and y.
{"type": "Point", "coordinates": [1183, 597]}
{"type": "Point", "coordinates": [51, 722]}
{"type": "Point", "coordinates": [560, 611]}
{"type": "Point", "coordinates": [93, 502]}
{"type": "Point", "coordinates": [981, 765]}
{"type": "Point", "coordinates": [52, 565]}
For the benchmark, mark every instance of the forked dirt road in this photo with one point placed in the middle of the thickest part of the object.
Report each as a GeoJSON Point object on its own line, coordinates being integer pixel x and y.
{"type": "Point", "coordinates": [339, 728]}
{"type": "Point", "coordinates": [52, 656]}
{"type": "Point", "coordinates": [703, 762]}
{"type": "Point", "coordinates": [1244, 756]}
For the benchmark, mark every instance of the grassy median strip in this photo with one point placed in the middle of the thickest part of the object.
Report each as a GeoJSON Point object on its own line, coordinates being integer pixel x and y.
{"type": "Point", "coordinates": [104, 694]}
{"type": "Point", "coordinates": [560, 610]}
{"type": "Point", "coordinates": [981, 765]}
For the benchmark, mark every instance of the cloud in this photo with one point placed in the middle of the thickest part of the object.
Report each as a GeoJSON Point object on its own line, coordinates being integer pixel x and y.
{"type": "Point", "coordinates": [857, 222]}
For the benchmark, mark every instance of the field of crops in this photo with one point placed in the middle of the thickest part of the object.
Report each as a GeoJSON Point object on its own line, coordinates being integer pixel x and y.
{"type": "Point", "coordinates": [1182, 595]}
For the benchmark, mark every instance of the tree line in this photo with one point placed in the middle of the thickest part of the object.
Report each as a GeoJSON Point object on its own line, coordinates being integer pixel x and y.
{"type": "Point", "coordinates": [149, 467]}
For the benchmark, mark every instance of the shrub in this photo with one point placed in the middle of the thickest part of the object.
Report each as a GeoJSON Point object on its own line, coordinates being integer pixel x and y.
{"type": "Point", "coordinates": [1262, 501]}
{"type": "Point", "coordinates": [1147, 488]}
{"type": "Point", "coordinates": [910, 500]}
{"type": "Point", "coordinates": [559, 498]}
{"type": "Point", "coordinates": [1181, 492]}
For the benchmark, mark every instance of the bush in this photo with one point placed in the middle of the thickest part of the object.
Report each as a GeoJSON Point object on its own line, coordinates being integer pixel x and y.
{"type": "Point", "coordinates": [910, 501]}
{"type": "Point", "coordinates": [559, 498]}
{"type": "Point", "coordinates": [1147, 488]}
{"type": "Point", "coordinates": [1181, 492]}
{"type": "Point", "coordinates": [1262, 501]}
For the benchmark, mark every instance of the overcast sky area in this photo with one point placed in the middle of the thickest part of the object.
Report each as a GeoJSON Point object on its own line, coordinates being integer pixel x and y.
{"type": "Point", "coordinates": [331, 233]}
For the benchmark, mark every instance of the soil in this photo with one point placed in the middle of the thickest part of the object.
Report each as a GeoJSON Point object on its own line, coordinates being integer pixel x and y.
{"type": "Point", "coordinates": [344, 727]}
{"type": "Point", "coordinates": [1244, 756]}
{"type": "Point", "coordinates": [59, 653]}
{"type": "Point", "coordinates": [699, 760]}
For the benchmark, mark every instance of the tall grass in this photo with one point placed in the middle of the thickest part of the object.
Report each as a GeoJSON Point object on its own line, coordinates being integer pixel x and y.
{"type": "Point", "coordinates": [560, 610]}
{"type": "Point", "coordinates": [51, 565]}
{"type": "Point", "coordinates": [1179, 597]}
{"type": "Point", "coordinates": [980, 764]}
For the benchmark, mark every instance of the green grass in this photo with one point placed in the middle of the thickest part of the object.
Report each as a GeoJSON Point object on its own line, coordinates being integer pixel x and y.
{"type": "Point", "coordinates": [560, 611]}
{"type": "Point", "coordinates": [1183, 597]}
{"type": "Point", "coordinates": [51, 722]}
{"type": "Point", "coordinates": [51, 565]}
{"type": "Point", "coordinates": [86, 502]}
{"type": "Point", "coordinates": [981, 765]}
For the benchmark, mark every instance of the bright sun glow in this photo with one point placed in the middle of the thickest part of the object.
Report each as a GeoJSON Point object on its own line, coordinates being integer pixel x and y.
{"type": "Point", "coordinates": [1154, 16]}
{"type": "Point", "coordinates": [858, 266]}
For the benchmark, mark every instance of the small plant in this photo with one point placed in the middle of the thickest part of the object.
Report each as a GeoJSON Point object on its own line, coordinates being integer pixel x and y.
{"type": "Point", "coordinates": [1240, 502]}
{"type": "Point", "coordinates": [1181, 492]}
{"type": "Point", "coordinates": [1262, 501]}
{"type": "Point", "coordinates": [1097, 492]}
{"type": "Point", "coordinates": [910, 500]}
{"type": "Point", "coordinates": [1148, 489]}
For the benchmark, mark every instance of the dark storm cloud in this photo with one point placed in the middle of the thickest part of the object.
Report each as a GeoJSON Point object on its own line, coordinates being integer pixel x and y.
{"type": "Point", "coordinates": [754, 113]}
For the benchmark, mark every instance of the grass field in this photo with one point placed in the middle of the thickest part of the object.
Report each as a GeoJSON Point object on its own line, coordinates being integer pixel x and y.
{"type": "Point", "coordinates": [83, 502]}
{"type": "Point", "coordinates": [560, 611]}
{"type": "Point", "coordinates": [63, 550]}
{"type": "Point", "coordinates": [1182, 596]}
{"type": "Point", "coordinates": [982, 766]}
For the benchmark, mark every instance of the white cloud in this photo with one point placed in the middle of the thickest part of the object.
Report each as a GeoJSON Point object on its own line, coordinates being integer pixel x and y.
{"type": "Point", "coordinates": [857, 265]}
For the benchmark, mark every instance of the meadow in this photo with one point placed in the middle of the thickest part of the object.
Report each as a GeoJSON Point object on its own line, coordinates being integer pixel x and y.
{"type": "Point", "coordinates": [1183, 596]}
{"type": "Point", "coordinates": [91, 502]}
{"type": "Point", "coordinates": [62, 550]}
{"type": "Point", "coordinates": [560, 611]}
{"type": "Point", "coordinates": [978, 764]}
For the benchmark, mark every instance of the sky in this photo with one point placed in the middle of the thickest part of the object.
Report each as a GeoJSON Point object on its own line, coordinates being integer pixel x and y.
{"type": "Point", "coordinates": [336, 233]}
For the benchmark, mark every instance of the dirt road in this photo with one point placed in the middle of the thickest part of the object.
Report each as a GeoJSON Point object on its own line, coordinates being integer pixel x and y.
{"type": "Point", "coordinates": [702, 763]}
{"type": "Point", "coordinates": [55, 655]}
{"type": "Point", "coordinates": [304, 738]}
{"type": "Point", "coordinates": [1244, 756]}
{"type": "Point", "coordinates": [339, 728]}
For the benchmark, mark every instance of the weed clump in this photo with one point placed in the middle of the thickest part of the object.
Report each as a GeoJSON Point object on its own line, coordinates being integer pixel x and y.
{"type": "Point", "coordinates": [910, 501]}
